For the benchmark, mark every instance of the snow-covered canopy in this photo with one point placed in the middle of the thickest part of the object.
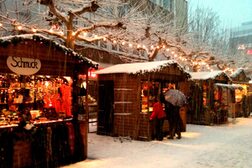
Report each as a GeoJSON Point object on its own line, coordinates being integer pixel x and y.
{"type": "Point", "coordinates": [143, 67]}
{"type": "Point", "coordinates": [240, 75]}
{"type": "Point", "coordinates": [4, 41]}
{"type": "Point", "coordinates": [207, 75]}
{"type": "Point", "coordinates": [237, 72]}
{"type": "Point", "coordinates": [230, 86]}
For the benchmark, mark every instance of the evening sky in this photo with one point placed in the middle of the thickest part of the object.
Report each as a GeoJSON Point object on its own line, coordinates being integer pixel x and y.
{"type": "Point", "coordinates": [232, 13]}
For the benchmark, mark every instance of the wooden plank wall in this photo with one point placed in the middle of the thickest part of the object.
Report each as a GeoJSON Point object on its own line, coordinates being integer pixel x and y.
{"type": "Point", "coordinates": [126, 103]}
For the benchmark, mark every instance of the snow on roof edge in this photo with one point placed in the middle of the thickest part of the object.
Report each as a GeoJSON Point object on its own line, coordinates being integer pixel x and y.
{"type": "Point", "coordinates": [237, 72]}
{"type": "Point", "coordinates": [141, 67]}
{"type": "Point", "coordinates": [205, 75]}
{"type": "Point", "coordinates": [230, 86]}
{"type": "Point", "coordinates": [35, 36]}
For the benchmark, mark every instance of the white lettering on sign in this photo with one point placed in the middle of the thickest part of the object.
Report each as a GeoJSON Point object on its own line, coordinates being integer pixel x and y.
{"type": "Point", "coordinates": [23, 66]}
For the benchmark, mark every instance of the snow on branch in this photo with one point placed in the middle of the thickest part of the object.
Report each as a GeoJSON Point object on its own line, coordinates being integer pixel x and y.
{"type": "Point", "coordinates": [94, 6]}
{"type": "Point", "coordinates": [52, 8]}
{"type": "Point", "coordinates": [94, 26]}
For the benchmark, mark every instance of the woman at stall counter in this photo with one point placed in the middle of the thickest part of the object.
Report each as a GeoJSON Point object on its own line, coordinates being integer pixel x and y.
{"type": "Point", "coordinates": [158, 114]}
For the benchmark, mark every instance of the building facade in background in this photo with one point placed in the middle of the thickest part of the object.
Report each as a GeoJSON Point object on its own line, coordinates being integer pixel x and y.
{"type": "Point", "coordinates": [179, 9]}
{"type": "Point", "coordinates": [241, 39]}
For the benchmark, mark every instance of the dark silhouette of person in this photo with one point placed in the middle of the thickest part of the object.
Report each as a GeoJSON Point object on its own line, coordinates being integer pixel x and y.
{"type": "Point", "coordinates": [177, 122]}
{"type": "Point", "coordinates": [244, 106]}
{"type": "Point", "coordinates": [174, 119]}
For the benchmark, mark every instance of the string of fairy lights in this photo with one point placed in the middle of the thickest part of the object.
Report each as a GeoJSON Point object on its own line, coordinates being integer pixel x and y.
{"type": "Point", "coordinates": [170, 51]}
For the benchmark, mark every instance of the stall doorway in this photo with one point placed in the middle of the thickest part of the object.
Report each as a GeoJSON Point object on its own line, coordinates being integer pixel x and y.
{"type": "Point", "coordinates": [105, 108]}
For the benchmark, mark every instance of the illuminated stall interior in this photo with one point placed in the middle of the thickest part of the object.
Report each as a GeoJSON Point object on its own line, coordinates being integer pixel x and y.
{"type": "Point", "coordinates": [45, 97]}
{"type": "Point", "coordinates": [151, 91]}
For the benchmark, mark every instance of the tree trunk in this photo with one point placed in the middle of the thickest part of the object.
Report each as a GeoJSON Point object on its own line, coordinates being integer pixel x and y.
{"type": "Point", "coordinates": [70, 38]}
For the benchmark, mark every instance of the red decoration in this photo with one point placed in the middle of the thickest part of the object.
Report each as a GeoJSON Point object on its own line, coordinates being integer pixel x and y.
{"type": "Point", "coordinates": [249, 52]}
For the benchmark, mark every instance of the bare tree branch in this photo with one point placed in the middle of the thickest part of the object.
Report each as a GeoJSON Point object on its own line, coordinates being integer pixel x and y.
{"type": "Point", "coordinates": [94, 6]}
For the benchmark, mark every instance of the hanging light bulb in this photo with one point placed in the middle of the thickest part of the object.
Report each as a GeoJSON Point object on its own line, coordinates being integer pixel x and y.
{"type": "Point", "coordinates": [61, 33]}
{"type": "Point", "coordinates": [19, 27]}
{"type": "Point", "coordinates": [1, 24]}
{"type": "Point", "coordinates": [34, 30]}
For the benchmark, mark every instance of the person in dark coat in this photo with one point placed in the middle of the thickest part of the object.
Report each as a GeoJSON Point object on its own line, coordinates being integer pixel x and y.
{"type": "Point", "coordinates": [174, 119]}
{"type": "Point", "coordinates": [244, 106]}
{"type": "Point", "coordinates": [158, 114]}
{"type": "Point", "coordinates": [177, 122]}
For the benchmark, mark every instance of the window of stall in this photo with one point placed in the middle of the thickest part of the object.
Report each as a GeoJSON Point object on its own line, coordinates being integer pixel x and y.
{"type": "Point", "coordinates": [240, 92]}
{"type": "Point", "coordinates": [38, 97]}
{"type": "Point", "coordinates": [205, 94]}
{"type": "Point", "coordinates": [150, 91]}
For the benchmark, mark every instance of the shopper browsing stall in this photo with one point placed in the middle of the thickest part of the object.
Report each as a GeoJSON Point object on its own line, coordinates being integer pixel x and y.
{"type": "Point", "coordinates": [158, 114]}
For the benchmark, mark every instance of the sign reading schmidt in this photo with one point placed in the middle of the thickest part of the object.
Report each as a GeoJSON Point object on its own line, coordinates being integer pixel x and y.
{"type": "Point", "coordinates": [23, 66]}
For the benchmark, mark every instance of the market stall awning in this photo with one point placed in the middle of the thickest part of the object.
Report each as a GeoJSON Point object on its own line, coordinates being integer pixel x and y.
{"type": "Point", "coordinates": [141, 68]}
{"type": "Point", "coordinates": [229, 86]}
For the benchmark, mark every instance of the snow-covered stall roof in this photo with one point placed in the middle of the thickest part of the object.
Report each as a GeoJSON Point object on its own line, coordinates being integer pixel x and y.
{"type": "Point", "coordinates": [207, 75]}
{"type": "Point", "coordinates": [237, 72]}
{"type": "Point", "coordinates": [5, 41]}
{"type": "Point", "coordinates": [142, 67]}
{"type": "Point", "coordinates": [230, 86]}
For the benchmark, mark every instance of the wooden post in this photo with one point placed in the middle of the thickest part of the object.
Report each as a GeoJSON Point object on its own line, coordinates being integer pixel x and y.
{"type": "Point", "coordinates": [79, 118]}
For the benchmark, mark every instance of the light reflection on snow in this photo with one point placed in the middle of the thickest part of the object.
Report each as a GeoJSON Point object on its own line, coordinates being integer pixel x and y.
{"type": "Point", "coordinates": [191, 135]}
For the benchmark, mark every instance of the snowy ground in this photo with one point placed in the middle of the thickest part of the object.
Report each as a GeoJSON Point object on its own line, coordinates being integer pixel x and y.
{"type": "Point", "coordinates": [223, 146]}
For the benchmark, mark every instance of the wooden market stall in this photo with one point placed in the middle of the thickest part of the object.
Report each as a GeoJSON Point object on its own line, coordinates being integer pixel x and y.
{"type": "Point", "coordinates": [42, 119]}
{"type": "Point", "coordinates": [127, 92]}
{"type": "Point", "coordinates": [207, 102]}
{"type": "Point", "coordinates": [243, 98]}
